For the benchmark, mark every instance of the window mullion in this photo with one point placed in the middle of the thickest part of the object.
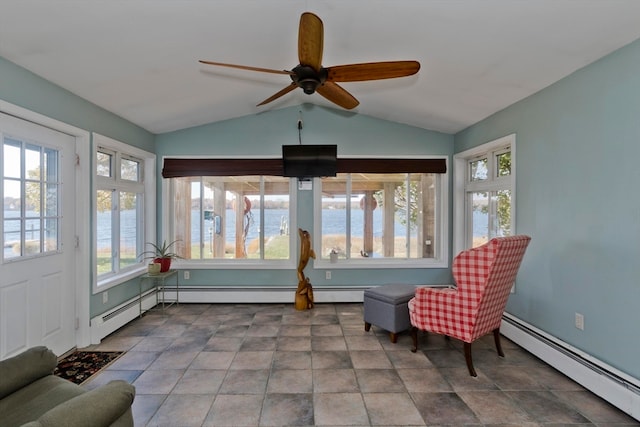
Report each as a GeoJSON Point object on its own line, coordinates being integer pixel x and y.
{"type": "Point", "coordinates": [201, 219]}
{"type": "Point", "coordinates": [115, 229]}
{"type": "Point", "coordinates": [407, 208]}
{"type": "Point", "coordinates": [348, 227]}
{"type": "Point", "coordinates": [261, 214]}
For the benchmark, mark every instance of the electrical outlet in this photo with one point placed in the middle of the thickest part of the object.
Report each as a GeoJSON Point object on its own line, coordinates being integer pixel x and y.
{"type": "Point", "coordinates": [328, 275]}
{"type": "Point", "coordinates": [580, 321]}
{"type": "Point", "coordinates": [187, 275]}
{"type": "Point", "coordinates": [105, 297]}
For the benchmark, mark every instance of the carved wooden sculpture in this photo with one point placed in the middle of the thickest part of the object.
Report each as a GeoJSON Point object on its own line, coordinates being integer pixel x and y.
{"type": "Point", "coordinates": [304, 293]}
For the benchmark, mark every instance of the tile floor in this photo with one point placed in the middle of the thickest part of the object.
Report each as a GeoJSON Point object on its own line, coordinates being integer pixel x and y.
{"type": "Point", "coordinates": [270, 365]}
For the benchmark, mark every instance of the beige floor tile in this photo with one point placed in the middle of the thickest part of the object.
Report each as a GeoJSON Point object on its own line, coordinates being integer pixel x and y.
{"type": "Point", "coordinates": [290, 381]}
{"type": "Point", "coordinates": [334, 381]}
{"type": "Point", "coordinates": [235, 410]}
{"type": "Point", "coordinates": [199, 381]}
{"type": "Point", "coordinates": [392, 409]}
{"type": "Point", "coordinates": [182, 411]}
{"type": "Point", "coordinates": [337, 409]}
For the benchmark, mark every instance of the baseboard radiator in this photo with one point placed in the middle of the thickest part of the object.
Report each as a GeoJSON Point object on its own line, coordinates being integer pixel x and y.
{"type": "Point", "coordinates": [117, 317]}
{"type": "Point", "coordinates": [263, 294]}
{"type": "Point", "coordinates": [614, 386]}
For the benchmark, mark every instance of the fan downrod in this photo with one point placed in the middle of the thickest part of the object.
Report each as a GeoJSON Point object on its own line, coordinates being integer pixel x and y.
{"type": "Point", "coordinates": [307, 78]}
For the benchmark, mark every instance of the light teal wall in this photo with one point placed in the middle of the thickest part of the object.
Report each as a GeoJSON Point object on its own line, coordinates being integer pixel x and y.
{"type": "Point", "coordinates": [578, 147]}
{"type": "Point", "coordinates": [25, 89]}
{"type": "Point", "coordinates": [265, 133]}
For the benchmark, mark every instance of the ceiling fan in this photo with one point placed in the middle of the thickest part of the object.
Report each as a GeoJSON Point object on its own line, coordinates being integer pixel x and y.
{"type": "Point", "coordinates": [311, 76]}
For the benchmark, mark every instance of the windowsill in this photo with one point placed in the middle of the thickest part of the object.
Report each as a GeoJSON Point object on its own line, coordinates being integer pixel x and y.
{"type": "Point", "coordinates": [118, 279]}
{"type": "Point", "coordinates": [377, 263]}
{"type": "Point", "coordinates": [234, 264]}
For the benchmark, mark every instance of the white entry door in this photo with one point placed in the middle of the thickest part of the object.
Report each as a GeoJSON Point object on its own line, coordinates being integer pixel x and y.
{"type": "Point", "coordinates": [37, 289]}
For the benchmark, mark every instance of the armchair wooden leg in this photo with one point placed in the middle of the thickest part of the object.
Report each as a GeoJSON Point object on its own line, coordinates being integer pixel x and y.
{"type": "Point", "coordinates": [414, 338]}
{"type": "Point", "coordinates": [496, 338]}
{"type": "Point", "coordinates": [467, 356]}
{"type": "Point", "coordinates": [367, 326]}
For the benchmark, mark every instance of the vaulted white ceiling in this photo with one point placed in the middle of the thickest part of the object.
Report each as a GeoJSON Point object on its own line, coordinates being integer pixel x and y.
{"type": "Point", "coordinates": [139, 58]}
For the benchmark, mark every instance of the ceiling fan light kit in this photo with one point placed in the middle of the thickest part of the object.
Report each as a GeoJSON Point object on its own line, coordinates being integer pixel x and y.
{"type": "Point", "coordinates": [312, 77]}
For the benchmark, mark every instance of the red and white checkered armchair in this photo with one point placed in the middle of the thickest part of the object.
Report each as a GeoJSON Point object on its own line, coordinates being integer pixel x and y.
{"type": "Point", "coordinates": [483, 277]}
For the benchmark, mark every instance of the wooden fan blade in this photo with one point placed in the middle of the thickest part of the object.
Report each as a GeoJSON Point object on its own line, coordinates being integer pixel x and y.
{"type": "Point", "coordinates": [372, 71]}
{"type": "Point", "coordinates": [277, 95]}
{"type": "Point", "coordinates": [245, 67]}
{"type": "Point", "coordinates": [310, 41]}
{"type": "Point", "coordinates": [336, 94]}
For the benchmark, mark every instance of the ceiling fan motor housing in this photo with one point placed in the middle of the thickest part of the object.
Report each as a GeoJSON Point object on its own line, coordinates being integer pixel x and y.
{"type": "Point", "coordinates": [308, 78]}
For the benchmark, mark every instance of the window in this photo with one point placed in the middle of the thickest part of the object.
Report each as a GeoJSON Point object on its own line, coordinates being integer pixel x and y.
{"type": "Point", "coordinates": [124, 205]}
{"type": "Point", "coordinates": [394, 218]}
{"type": "Point", "coordinates": [487, 191]}
{"type": "Point", "coordinates": [31, 190]}
{"type": "Point", "coordinates": [232, 219]}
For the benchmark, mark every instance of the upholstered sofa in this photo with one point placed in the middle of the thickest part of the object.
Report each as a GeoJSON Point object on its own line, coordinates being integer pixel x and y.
{"type": "Point", "coordinates": [31, 396]}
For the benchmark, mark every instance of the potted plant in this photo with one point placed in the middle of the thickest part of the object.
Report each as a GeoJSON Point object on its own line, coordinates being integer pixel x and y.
{"type": "Point", "coordinates": [161, 254]}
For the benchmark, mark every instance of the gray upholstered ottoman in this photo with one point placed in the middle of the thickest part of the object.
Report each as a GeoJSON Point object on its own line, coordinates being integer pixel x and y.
{"type": "Point", "coordinates": [387, 307]}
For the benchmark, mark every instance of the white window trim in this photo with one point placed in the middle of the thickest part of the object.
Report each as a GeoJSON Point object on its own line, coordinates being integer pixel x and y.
{"type": "Point", "coordinates": [460, 162]}
{"type": "Point", "coordinates": [232, 264]}
{"type": "Point", "coordinates": [149, 171]}
{"type": "Point", "coordinates": [390, 263]}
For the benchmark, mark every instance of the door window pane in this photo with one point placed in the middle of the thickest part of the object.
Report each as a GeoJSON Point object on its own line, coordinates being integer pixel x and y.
{"type": "Point", "coordinates": [32, 161]}
{"type": "Point", "coordinates": [11, 164]}
{"type": "Point", "coordinates": [51, 233]}
{"type": "Point", "coordinates": [31, 188]}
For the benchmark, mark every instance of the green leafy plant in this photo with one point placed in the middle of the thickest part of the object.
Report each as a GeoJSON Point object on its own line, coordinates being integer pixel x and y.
{"type": "Point", "coordinates": [161, 251]}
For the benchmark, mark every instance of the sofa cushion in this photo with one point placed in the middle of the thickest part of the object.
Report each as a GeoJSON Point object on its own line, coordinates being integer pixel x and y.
{"type": "Point", "coordinates": [18, 371]}
{"type": "Point", "coordinates": [33, 400]}
{"type": "Point", "coordinates": [100, 407]}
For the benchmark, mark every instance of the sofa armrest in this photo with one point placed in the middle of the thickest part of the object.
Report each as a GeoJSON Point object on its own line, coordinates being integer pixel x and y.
{"type": "Point", "coordinates": [23, 369]}
{"type": "Point", "coordinates": [99, 407]}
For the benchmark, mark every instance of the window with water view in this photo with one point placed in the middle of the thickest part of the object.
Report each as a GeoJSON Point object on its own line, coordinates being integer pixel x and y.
{"type": "Point", "coordinates": [384, 216]}
{"type": "Point", "coordinates": [231, 217]}
{"type": "Point", "coordinates": [489, 192]}
{"type": "Point", "coordinates": [120, 215]}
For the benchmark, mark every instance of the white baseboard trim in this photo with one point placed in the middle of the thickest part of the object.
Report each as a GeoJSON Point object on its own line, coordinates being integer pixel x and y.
{"type": "Point", "coordinates": [614, 386]}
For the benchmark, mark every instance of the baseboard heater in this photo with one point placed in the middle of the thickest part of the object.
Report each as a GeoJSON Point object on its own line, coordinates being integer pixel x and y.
{"type": "Point", "coordinates": [270, 294]}
{"type": "Point", "coordinates": [112, 320]}
{"type": "Point", "coordinates": [263, 294]}
{"type": "Point", "coordinates": [614, 386]}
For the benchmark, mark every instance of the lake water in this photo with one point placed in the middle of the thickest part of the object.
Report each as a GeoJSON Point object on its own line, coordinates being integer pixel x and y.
{"type": "Point", "coordinates": [333, 223]}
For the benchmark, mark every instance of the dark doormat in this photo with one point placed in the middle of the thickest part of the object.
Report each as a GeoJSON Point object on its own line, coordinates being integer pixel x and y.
{"type": "Point", "coordinates": [79, 366]}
